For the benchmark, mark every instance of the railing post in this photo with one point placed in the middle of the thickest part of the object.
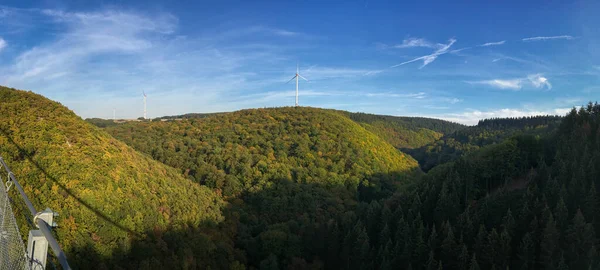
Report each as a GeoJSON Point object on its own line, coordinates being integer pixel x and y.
{"type": "Point", "coordinates": [37, 244]}
{"type": "Point", "coordinates": [37, 249]}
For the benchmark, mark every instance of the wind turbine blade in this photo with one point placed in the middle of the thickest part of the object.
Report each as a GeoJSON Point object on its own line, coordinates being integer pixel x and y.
{"type": "Point", "coordinates": [302, 77]}
{"type": "Point", "coordinates": [292, 79]}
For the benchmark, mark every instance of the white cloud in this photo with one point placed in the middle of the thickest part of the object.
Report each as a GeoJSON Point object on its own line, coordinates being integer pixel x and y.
{"type": "Point", "coordinates": [567, 37]}
{"type": "Point", "coordinates": [472, 117]}
{"type": "Point", "coordinates": [534, 80]}
{"type": "Point", "coordinates": [514, 84]}
{"type": "Point", "coordinates": [539, 81]}
{"type": "Point", "coordinates": [427, 59]}
{"type": "Point", "coordinates": [2, 44]}
{"type": "Point", "coordinates": [416, 42]}
{"type": "Point", "coordinates": [493, 43]}
{"type": "Point", "coordinates": [454, 100]}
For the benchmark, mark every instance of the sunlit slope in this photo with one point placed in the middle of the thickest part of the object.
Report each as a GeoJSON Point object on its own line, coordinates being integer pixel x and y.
{"type": "Point", "coordinates": [106, 192]}
{"type": "Point", "coordinates": [246, 150]}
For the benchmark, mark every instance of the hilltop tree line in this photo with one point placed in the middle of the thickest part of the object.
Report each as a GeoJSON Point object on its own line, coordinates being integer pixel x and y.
{"type": "Point", "coordinates": [487, 132]}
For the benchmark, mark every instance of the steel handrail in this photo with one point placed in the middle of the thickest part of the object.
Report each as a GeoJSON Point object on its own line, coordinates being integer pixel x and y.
{"type": "Point", "coordinates": [43, 226]}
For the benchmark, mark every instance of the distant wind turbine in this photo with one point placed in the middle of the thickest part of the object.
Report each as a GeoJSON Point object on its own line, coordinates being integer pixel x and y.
{"type": "Point", "coordinates": [296, 77]}
{"type": "Point", "coordinates": [143, 92]}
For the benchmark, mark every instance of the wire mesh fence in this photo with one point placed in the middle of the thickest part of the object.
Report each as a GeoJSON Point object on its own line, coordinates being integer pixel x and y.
{"type": "Point", "coordinates": [12, 248]}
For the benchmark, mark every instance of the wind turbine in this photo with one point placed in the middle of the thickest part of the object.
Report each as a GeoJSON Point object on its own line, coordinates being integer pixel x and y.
{"type": "Point", "coordinates": [296, 77]}
{"type": "Point", "coordinates": [143, 92]}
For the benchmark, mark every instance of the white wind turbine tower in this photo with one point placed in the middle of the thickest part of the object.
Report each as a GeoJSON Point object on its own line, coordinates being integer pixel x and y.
{"type": "Point", "coordinates": [296, 77]}
{"type": "Point", "coordinates": [144, 104]}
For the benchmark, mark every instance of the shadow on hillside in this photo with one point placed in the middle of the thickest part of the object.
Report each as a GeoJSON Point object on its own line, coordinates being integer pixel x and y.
{"type": "Point", "coordinates": [23, 153]}
{"type": "Point", "coordinates": [287, 220]}
{"type": "Point", "coordinates": [428, 159]}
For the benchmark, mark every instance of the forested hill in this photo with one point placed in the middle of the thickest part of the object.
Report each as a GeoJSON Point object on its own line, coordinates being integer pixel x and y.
{"type": "Point", "coordinates": [107, 194]}
{"type": "Point", "coordinates": [487, 132]}
{"type": "Point", "coordinates": [405, 132]}
{"type": "Point", "coordinates": [248, 149]}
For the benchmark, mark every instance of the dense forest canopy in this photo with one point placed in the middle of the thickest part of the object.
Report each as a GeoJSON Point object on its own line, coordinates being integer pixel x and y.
{"type": "Point", "coordinates": [307, 188]}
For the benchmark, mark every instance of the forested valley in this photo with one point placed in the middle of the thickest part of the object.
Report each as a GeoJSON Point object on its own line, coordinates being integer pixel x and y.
{"type": "Point", "coordinates": [308, 188]}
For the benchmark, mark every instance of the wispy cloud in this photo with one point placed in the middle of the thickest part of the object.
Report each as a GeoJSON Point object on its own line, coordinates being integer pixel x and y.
{"type": "Point", "coordinates": [416, 42]}
{"type": "Point", "coordinates": [548, 38]}
{"type": "Point", "coordinates": [2, 44]}
{"type": "Point", "coordinates": [534, 80]}
{"type": "Point", "coordinates": [372, 72]}
{"type": "Point", "coordinates": [320, 72]}
{"type": "Point", "coordinates": [256, 30]}
{"type": "Point", "coordinates": [111, 55]}
{"type": "Point", "coordinates": [434, 107]}
{"type": "Point", "coordinates": [427, 59]}
{"type": "Point", "coordinates": [419, 95]}
{"type": "Point", "coordinates": [514, 84]}
{"type": "Point", "coordinates": [283, 95]}
{"type": "Point", "coordinates": [493, 43]}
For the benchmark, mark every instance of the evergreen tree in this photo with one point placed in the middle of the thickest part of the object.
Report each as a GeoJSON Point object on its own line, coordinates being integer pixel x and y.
{"type": "Point", "coordinates": [591, 203]}
{"type": "Point", "coordinates": [449, 248]}
{"type": "Point", "coordinates": [581, 240]}
{"type": "Point", "coordinates": [527, 252]}
{"type": "Point", "coordinates": [432, 242]}
{"type": "Point", "coordinates": [562, 215]}
{"type": "Point", "coordinates": [561, 263]}
{"type": "Point", "coordinates": [384, 235]}
{"type": "Point", "coordinates": [463, 258]}
{"type": "Point", "coordinates": [508, 222]}
{"type": "Point", "coordinates": [549, 246]}
{"type": "Point", "coordinates": [474, 265]}
{"type": "Point", "coordinates": [432, 264]}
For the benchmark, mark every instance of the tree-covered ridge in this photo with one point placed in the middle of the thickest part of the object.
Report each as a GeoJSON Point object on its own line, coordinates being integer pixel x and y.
{"type": "Point", "coordinates": [108, 195]}
{"type": "Point", "coordinates": [188, 116]}
{"type": "Point", "coordinates": [529, 202]}
{"type": "Point", "coordinates": [101, 123]}
{"type": "Point", "coordinates": [248, 149]}
{"type": "Point", "coordinates": [487, 132]}
{"type": "Point", "coordinates": [405, 132]}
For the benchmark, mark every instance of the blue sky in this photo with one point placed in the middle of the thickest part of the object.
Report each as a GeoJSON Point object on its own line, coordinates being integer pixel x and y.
{"type": "Point", "coordinates": [460, 62]}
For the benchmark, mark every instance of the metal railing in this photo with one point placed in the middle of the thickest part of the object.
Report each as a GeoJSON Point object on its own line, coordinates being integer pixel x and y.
{"type": "Point", "coordinates": [39, 219]}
